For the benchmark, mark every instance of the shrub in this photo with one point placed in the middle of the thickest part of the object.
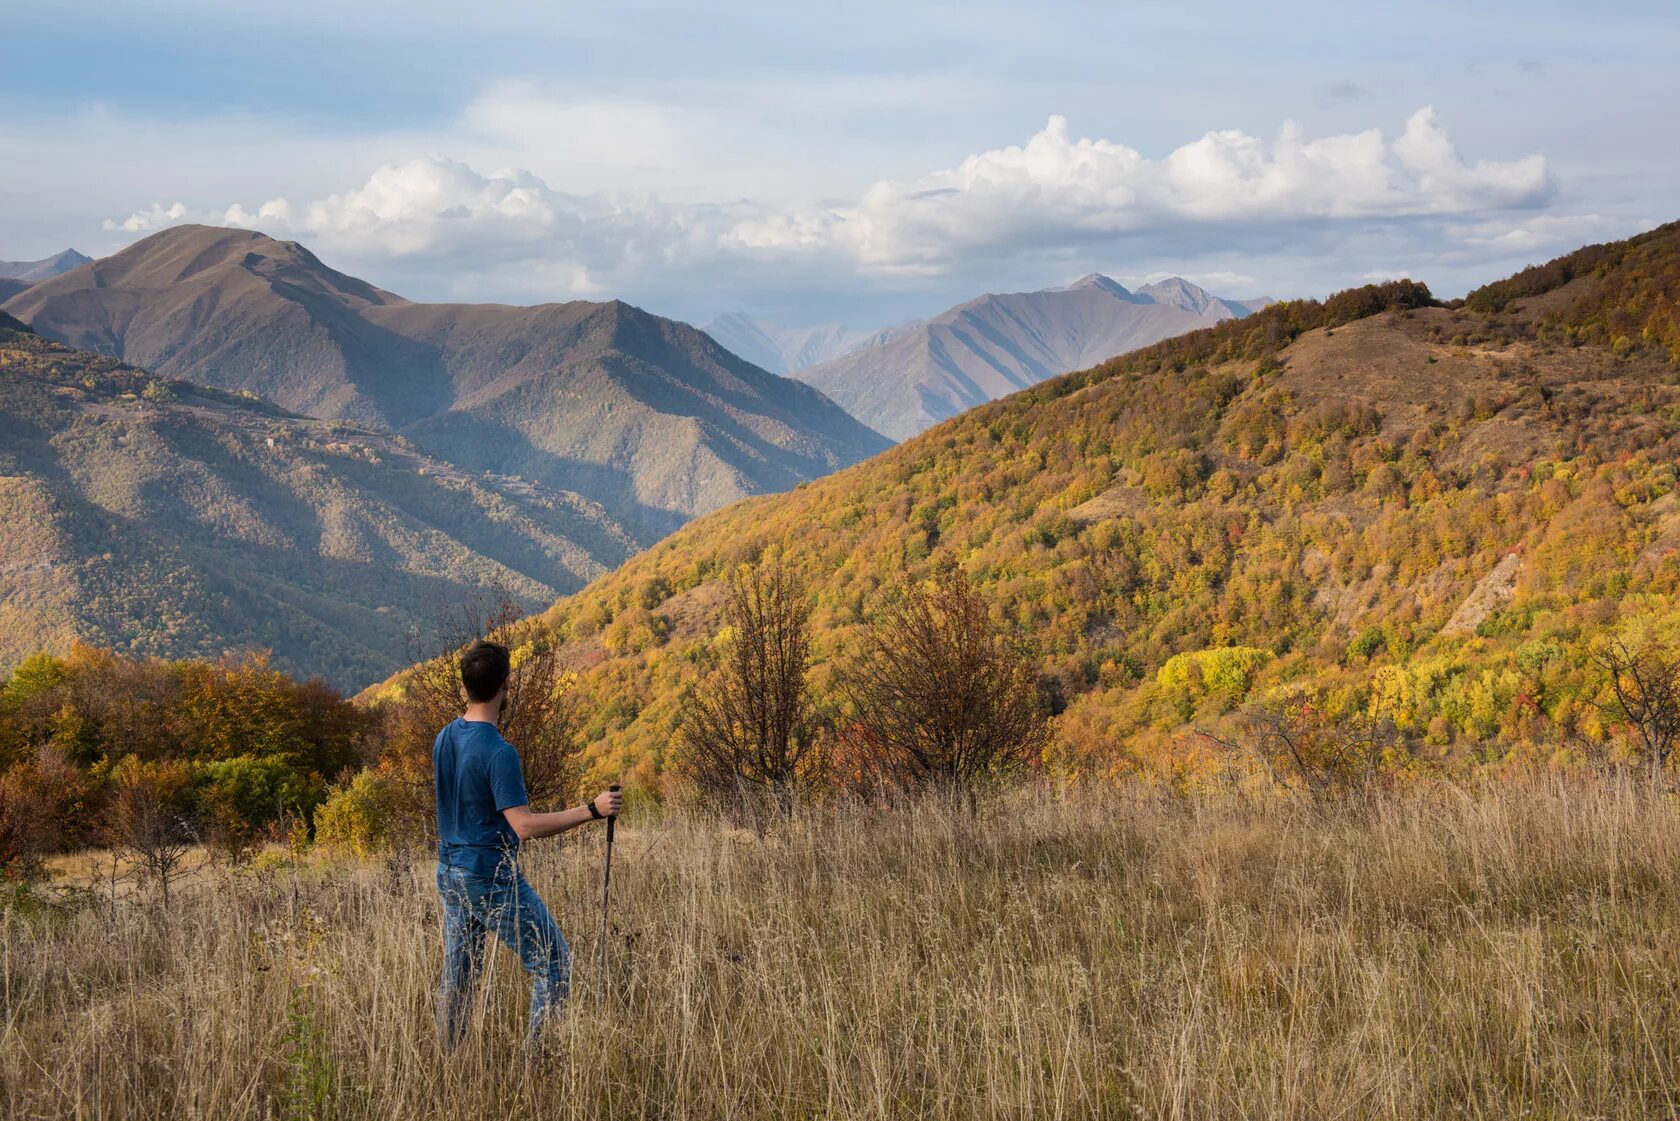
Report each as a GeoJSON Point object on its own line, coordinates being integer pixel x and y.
{"type": "Point", "coordinates": [362, 817]}
{"type": "Point", "coordinates": [748, 727]}
{"type": "Point", "coordinates": [1643, 680]}
{"type": "Point", "coordinates": [240, 797]}
{"type": "Point", "coordinates": [150, 815]}
{"type": "Point", "coordinates": [44, 808]}
{"type": "Point", "coordinates": [1306, 748]}
{"type": "Point", "coordinates": [941, 696]}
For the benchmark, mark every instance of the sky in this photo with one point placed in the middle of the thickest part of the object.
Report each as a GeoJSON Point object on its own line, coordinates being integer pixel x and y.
{"type": "Point", "coordinates": [862, 163]}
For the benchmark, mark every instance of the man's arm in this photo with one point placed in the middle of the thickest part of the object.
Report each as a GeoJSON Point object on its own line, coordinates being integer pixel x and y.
{"type": "Point", "coordinates": [529, 826]}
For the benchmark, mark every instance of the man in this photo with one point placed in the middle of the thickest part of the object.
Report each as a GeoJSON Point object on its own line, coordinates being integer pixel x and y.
{"type": "Point", "coordinates": [483, 815]}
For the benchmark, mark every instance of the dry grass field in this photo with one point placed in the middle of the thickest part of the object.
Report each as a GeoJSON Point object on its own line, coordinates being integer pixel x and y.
{"type": "Point", "coordinates": [1511, 953]}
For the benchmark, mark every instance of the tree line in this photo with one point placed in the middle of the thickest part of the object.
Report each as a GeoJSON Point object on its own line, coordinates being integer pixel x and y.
{"type": "Point", "coordinates": [155, 757]}
{"type": "Point", "coordinates": [935, 692]}
{"type": "Point", "coordinates": [101, 749]}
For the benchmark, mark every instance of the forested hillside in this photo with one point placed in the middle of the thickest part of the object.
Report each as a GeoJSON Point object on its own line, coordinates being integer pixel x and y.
{"type": "Point", "coordinates": [1428, 513]}
{"type": "Point", "coordinates": [160, 518]}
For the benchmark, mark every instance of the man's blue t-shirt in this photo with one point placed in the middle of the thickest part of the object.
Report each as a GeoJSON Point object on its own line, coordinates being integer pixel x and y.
{"type": "Point", "coordinates": [478, 776]}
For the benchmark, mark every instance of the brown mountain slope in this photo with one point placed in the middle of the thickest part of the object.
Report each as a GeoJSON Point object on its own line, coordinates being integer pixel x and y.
{"type": "Point", "coordinates": [238, 311]}
{"type": "Point", "coordinates": [650, 417]}
{"type": "Point", "coordinates": [161, 518]}
{"type": "Point", "coordinates": [992, 346]}
{"type": "Point", "coordinates": [1319, 497]}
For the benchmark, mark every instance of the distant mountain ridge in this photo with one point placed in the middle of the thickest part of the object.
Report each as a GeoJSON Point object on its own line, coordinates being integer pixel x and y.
{"type": "Point", "coordinates": [910, 377]}
{"type": "Point", "coordinates": [1177, 292]}
{"type": "Point", "coordinates": [165, 519]}
{"type": "Point", "coordinates": [780, 349]}
{"type": "Point", "coordinates": [44, 269]}
{"type": "Point", "coordinates": [649, 417]}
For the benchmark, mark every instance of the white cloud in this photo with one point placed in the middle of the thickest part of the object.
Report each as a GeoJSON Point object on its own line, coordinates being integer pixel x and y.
{"type": "Point", "coordinates": [1052, 194]}
{"type": "Point", "coordinates": [1222, 281]}
{"type": "Point", "coordinates": [153, 217]}
{"type": "Point", "coordinates": [589, 144]}
{"type": "Point", "coordinates": [439, 208]}
{"type": "Point", "coordinates": [1055, 190]}
{"type": "Point", "coordinates": [1538, 231]}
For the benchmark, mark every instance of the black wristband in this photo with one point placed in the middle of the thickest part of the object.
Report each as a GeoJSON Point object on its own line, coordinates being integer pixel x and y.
{"type": "Point", "coordinates": [593, 812]}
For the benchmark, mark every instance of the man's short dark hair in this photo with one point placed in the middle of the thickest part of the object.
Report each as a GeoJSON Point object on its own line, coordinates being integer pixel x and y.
{"type": "Point", "coordinates": [484, 670]}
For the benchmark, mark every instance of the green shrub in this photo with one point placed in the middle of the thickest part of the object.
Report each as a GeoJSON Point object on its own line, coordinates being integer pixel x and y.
{"type": "Point", "coordinates": [360, 817]}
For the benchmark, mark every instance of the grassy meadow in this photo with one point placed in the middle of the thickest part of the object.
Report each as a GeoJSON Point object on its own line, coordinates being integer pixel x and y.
{"type": "Point", "coordinates": [1507, 953]}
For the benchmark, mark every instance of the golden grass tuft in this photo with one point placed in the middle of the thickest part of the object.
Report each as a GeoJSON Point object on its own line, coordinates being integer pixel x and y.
{"type": "Point", "coordinates": [1436, 954]}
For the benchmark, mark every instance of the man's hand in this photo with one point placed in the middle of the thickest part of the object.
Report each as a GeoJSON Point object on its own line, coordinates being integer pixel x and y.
{"type": "Point", "coordinates": [528, 826]}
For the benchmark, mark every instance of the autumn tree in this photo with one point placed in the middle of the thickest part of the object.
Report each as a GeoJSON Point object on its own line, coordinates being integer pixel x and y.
{"type": "Point", "coordinates": [31, 816]}
{"type": "Point", "coordinates": [49, 803]}
{"type": "Point", "coordinates": [747, 729]}
{"type": "Point", "coordinates": [1644, 685]}
{"type": "Point", "coordinates": [242, 706]}
{"type": "Point", "coordinates": [360, 816]}
{"type": "Point", "coordinates": [941, 696]}
{"type": "Point", "coordinates": [245, 800]}
{"type": "Point", "coordinates": [148, 816]}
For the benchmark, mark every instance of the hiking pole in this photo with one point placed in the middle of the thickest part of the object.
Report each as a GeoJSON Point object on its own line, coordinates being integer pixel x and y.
{"type": "Point", "coordinates": [606, 893]}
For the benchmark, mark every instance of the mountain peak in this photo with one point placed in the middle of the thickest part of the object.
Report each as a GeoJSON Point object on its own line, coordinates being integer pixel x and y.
{"type": "Point", "coordinates": [44, 269]}
{"type": "Point", "coordinates": [1175, 291]}
{"type": "Point", "coordinates": [195, 249]}
{"type": "Point", "coordinates": [1099, 281]}
{"type": "Point", "coordinates": [220, 258]}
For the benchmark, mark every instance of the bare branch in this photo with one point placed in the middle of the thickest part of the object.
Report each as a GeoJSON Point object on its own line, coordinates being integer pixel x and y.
{"type": "Point", "coordinates": [941, 696]}
{"type": "Point", "coordinates": [748, 728]}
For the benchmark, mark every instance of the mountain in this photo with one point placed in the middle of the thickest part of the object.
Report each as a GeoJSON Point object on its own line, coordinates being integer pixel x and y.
{"type": "Point", "coordinates": [781, 349]}
{"type": "Point", "coordinates": [10, 288]}
{"type": "Point", "coordinates": [162, 518]}
{"type": "Point", "coordinates": [1425, 512]}
{"type": "Point", "coordinates": [909, 378]}
{"type": "Point", "coordinates": [44, 269]}
{"type": "Point", "coordinates": [1177, 292]}
{"type": "Point", "coordinates": [647, 416]}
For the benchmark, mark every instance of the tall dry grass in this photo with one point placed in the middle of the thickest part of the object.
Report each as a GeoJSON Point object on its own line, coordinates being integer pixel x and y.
{"type": "Point", "coordinates": [1437, 954]}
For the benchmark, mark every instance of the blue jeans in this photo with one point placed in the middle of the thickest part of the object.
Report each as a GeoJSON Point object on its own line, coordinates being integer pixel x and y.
{"type": "Point", "coordinates": [475, 906]}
